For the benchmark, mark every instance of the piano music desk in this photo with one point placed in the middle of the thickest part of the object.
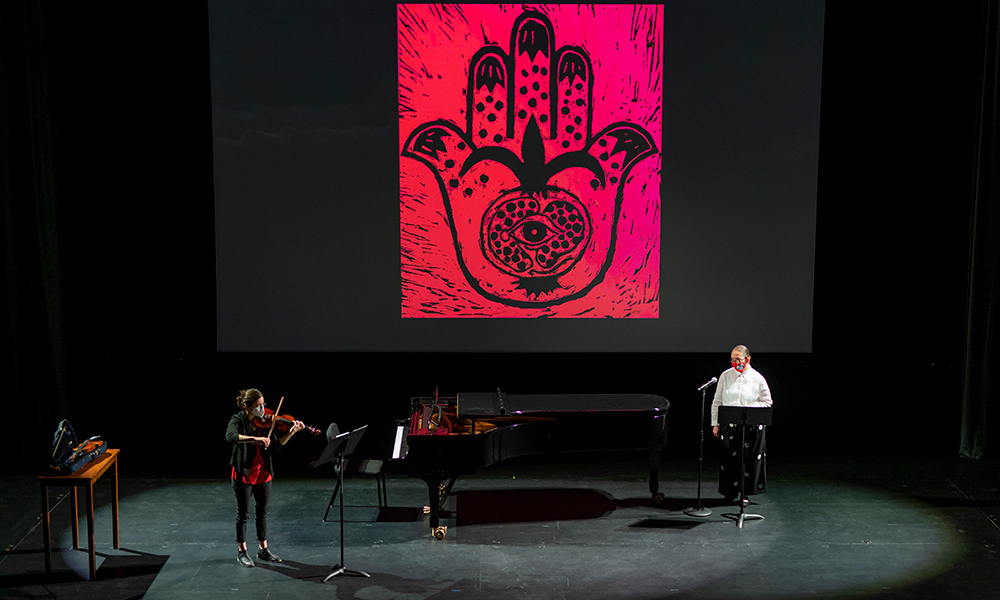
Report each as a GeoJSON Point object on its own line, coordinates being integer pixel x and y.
{"type": "Point", "coordinates": [85, 477]}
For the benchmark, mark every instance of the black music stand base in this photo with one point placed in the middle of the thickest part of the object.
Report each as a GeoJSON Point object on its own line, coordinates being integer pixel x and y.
{"type": "Point", "coordinates": [339, 571]}
{"type": "Point", "coordinates": [742, 516]}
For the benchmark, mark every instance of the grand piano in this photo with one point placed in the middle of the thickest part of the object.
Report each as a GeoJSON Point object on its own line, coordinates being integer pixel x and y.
{"type": "Point", "coordinates": [448, 437]}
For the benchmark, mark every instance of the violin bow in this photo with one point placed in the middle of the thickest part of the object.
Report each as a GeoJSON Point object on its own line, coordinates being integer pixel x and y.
{"type": "Point", "coordinates": [274, 419]}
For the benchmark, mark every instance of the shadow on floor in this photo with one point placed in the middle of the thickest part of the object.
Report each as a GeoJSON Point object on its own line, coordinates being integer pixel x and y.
{"type": "Point", "coordinates": [120, 576]}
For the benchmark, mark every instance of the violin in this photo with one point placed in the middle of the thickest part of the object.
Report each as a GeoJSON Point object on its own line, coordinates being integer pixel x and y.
{"type": "Point", "coordinates": [280, 422]}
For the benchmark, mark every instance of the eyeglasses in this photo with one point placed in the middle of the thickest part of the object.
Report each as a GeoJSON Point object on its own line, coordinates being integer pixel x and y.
{"type": "Point", "coordinates": [738, 360]}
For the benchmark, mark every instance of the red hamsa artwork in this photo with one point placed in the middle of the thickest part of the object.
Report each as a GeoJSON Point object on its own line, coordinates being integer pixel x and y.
{"type": "Point", "coordinates": [530, 164]}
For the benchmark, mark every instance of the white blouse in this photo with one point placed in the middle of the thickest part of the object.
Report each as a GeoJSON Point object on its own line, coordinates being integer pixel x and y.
{"type": "Point", "coordinates": [748, 388]}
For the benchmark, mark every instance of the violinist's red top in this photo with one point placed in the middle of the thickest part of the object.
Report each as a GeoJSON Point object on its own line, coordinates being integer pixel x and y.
{"type": "Point", "coordinates": [258, 472]}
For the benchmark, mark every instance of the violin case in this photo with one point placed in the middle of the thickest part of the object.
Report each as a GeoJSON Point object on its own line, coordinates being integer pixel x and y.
{"type": "Point", "coordinates": [68, 455]}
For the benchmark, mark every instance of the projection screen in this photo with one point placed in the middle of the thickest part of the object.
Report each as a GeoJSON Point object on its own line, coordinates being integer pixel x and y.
{"type": "Point", "coordinates": [507, 178]}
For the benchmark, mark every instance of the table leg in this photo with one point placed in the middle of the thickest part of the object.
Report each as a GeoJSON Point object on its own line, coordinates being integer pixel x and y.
{"type": "Point", "coordinates": [76, 518]}
{"type": "Point", "coordinates": [90, 530]}
{"type": "Point", "coordinates": [45, 529]}
{"type": "Point", "coordinates": [114, 506]}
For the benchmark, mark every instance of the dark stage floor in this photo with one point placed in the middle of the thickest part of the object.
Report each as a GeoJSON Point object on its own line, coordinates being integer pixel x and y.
{"type": "Point", "coordinates": [558, 528]}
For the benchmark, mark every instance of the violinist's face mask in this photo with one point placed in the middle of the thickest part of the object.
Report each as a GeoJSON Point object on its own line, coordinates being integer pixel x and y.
{"type": "Point", "coordinates": [258, 411]}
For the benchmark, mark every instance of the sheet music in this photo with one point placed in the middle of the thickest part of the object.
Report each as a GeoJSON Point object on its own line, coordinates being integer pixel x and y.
{"type": "Point", "coordinates": [397, 445]}
{"type": "Point", "coordinates": [331, 450]}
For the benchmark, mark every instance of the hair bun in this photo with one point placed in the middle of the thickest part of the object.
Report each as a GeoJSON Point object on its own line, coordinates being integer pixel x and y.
{"type": "Point", "coordinates": [247, 396]}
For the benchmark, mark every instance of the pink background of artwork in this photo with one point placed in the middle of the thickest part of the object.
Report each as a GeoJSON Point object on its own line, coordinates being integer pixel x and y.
{"type": "Point", "coordinates": [436, 43]}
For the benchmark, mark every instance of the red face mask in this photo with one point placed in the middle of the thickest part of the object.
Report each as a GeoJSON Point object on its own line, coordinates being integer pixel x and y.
{"type": "Point", "coordinates": [740, 367]}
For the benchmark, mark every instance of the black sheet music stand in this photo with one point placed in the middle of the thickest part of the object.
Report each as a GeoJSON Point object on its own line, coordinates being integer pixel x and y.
{"type": "Point", "coordinates": [744, 415]}
{"type": "Point", "coordinates": [339, 447]}
{"type": "Point", "coordinates": [364, 466]}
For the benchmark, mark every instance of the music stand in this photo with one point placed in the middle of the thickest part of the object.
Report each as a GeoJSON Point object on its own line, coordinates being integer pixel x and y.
{"type": "Point", "coordinates": [744, 415]}
{"type": "Point", "coordinates": [338, 448]}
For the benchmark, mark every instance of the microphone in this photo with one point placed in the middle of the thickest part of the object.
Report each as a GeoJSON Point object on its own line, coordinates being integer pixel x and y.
{"type": "Point", "coordinates": [708, 383]}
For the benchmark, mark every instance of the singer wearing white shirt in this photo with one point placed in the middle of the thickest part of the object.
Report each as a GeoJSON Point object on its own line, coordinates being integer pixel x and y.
{"type": "Point", "coordinates": [741, 386]}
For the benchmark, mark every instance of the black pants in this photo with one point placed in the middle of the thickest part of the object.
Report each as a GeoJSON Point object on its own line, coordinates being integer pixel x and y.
{"type": "Point", "coordinates": [261, 493]}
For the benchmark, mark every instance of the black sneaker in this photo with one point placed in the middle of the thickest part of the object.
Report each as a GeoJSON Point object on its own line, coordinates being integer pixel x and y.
{"type": "Point", "coordinates": [244, 559]}
{"type": "Point", "coordinates": [265, 554]}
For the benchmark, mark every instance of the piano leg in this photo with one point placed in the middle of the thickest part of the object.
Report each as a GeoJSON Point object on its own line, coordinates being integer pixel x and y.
{"type": "Point", "coordinates": [654, 478]}
{"type": "Point", "coordinates": [434, 498]}
{"type": "Point", "coordinates": [446, 490]}
{"type": "Point", "coordinates": [437, 492]}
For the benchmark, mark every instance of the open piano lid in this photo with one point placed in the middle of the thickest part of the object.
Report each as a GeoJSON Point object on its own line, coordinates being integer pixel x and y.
{"type": "Point", "coordinates": [489, 404]}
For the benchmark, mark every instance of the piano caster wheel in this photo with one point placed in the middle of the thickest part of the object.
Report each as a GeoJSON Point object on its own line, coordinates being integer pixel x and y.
{"type": "Point", "coordinates": [439, 532]}
{"type": "Point", "coordinates": [658, 499]}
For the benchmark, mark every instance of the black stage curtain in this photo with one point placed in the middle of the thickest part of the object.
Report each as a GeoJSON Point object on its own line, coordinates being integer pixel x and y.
{"type": "Point", "coordinates": [105, 215]}
{"type": "Point", "coordinates": [33, 359]}
{"type": "Point", "coordinates": [980, 385]}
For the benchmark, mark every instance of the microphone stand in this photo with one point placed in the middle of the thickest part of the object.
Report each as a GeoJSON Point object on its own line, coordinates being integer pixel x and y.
{"type": "Point", "coordinates": [700, 511]}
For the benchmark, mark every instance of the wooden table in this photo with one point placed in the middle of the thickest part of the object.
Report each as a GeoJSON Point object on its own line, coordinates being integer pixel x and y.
{"type": "Point", "coordinates": [85, 477]}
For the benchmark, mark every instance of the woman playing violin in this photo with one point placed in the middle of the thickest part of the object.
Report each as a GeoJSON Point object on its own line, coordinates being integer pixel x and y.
{"type": "Point", "coordinates": [254, 442]}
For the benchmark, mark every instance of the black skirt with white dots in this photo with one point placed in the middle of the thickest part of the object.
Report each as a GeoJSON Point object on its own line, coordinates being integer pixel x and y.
{"type": "Point", "coordinates": [755, 456]}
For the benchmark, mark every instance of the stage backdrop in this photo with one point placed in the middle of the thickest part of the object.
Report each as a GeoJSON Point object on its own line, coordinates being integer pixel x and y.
{"type": "Point", "coordinates": [504, 178]}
